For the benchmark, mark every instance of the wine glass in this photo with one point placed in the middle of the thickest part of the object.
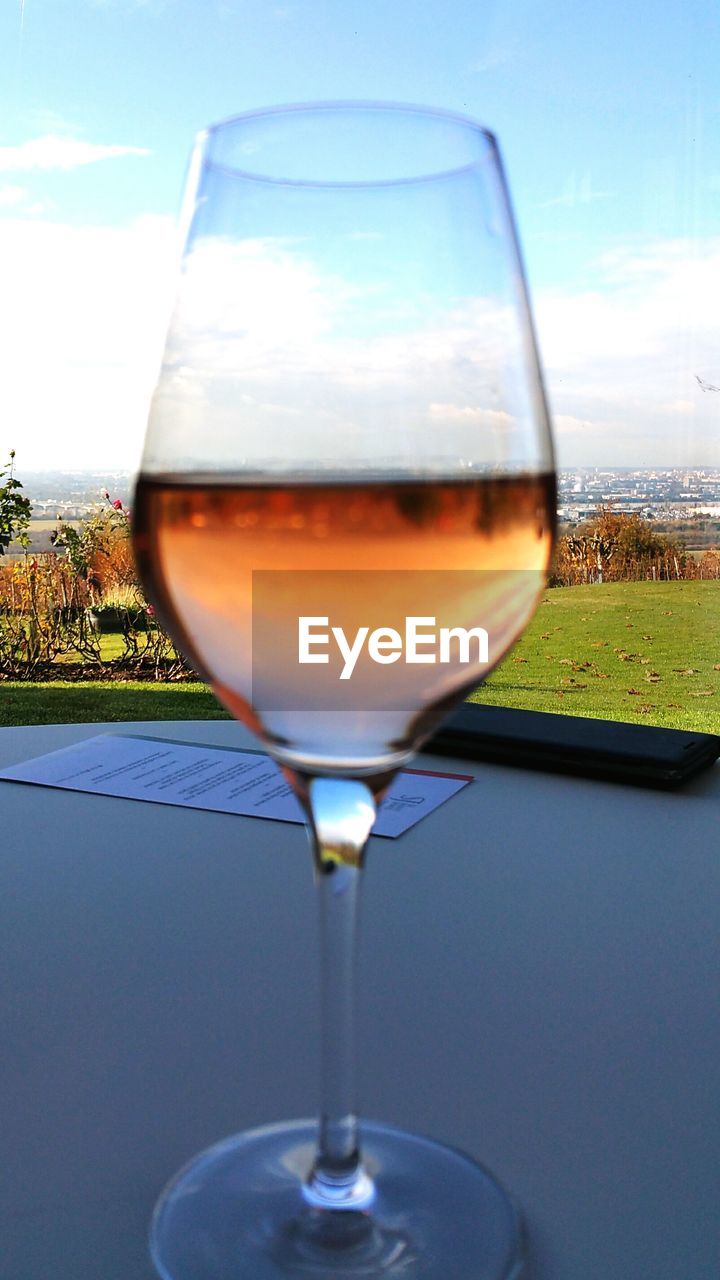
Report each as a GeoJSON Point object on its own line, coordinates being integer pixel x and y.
{"type": "Point", "coordinates": [344, 516]}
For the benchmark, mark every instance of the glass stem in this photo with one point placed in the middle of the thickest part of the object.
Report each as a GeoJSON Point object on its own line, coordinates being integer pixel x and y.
{"type": "Point", "coordinates": [342, 812]}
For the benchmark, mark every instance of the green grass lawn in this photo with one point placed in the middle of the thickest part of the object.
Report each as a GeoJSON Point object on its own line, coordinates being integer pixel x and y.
{"type": "Point", "coordinates": [637, 651]}
{"type": "Point", "coordinates": [625, 651]}
{"type": "Point", "coordinates": [63, 702]}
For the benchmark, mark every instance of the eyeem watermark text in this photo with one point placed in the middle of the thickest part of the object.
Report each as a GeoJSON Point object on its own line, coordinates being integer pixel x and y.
{"type": "Point", "coordinates": [422, 642]}
{"type": "Point", "coordinates": [367, 641]}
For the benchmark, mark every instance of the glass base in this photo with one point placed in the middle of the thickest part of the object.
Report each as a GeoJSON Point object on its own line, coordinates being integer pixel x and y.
{"type": "Point", "coordinates": [237, 1212]}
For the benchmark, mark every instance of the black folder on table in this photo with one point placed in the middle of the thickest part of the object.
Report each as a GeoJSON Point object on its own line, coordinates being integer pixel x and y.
{"type": "Point", "coordinates": [608, 749]}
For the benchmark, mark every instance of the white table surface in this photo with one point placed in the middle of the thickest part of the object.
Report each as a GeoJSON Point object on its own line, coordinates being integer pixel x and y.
{"type": "Point", "coordinates": [540, 987]}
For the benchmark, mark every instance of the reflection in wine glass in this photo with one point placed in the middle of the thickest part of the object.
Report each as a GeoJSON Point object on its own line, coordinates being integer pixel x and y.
{"type": "Point", "coordinates": [345, 516]}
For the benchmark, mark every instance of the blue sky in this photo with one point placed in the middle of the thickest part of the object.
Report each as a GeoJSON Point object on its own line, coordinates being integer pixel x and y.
{"type": "Point", "coordinates": [609, 120]}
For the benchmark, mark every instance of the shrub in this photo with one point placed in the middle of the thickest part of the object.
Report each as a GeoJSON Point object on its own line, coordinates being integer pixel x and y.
{"type": "Point", "coordinates": [52, 606]}
{"type": "Point", "coordinates": [616, 547]}
{"type": "Point", "coordinates": [15, 509]}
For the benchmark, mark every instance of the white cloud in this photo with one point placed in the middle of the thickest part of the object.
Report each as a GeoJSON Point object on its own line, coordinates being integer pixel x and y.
{"type": "Point", "coordinates": [677, 408]}
{"type": "Point", "coordinates": [620, 359]}
{"type": "Point", "coordinates": [624, 356]}
{"type": "Point", "coordinates": [567, 425]}
{"type": "Point", "coordinates": [11, 196]}
{"type": "Point", "coordinates": [482, 417]}
{"type": "Point", "coordinates": [498, 54]}
{"type": "Point", "coordinates": [53, 151]}
{"type": "Point", "coordinates": [19, 201]}
{"type": "Point", "coordinates": [273, 324]}
{"type": "Point", "coordinates": [83, 312]}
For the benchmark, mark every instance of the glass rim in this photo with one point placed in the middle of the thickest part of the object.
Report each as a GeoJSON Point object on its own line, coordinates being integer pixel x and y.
{"type": "Point", "coordinates": [204, 139]}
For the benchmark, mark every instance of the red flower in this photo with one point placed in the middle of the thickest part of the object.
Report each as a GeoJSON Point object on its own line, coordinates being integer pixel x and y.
{"type": "Point", "coordinates": [117, 505]}
{"type": "Point", "coordinates": [150, 611]}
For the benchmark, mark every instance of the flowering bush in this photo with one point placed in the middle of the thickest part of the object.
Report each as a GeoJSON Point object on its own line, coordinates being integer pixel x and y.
{"type": "Point", "coordinates": [99, 551]}
{"type": "Point", "coordinates": [52, 605]}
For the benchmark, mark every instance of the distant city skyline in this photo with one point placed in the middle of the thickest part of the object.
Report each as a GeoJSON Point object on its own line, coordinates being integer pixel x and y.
{"type": "Point", "coordinates": [607, 117]}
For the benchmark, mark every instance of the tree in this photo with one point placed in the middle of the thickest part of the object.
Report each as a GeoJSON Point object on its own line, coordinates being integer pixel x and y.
{"type": "Point", "coordinates": [616, 546]}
